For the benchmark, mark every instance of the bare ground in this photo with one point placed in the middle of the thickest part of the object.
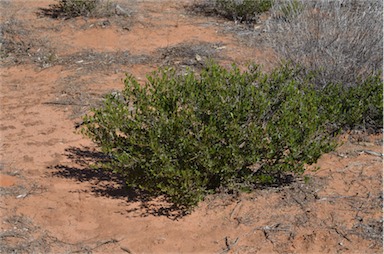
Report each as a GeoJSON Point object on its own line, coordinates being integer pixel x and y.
{"type": "Point", "coordinates": [52, 201]}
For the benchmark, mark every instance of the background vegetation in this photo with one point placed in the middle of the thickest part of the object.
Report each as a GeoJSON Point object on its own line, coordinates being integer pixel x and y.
{"type": "Point", "coordinates": [76, 8]}
{"type": "Point", "coordinates": [342, 41]}
{"type": "Point", "coordinates": [243, 11]}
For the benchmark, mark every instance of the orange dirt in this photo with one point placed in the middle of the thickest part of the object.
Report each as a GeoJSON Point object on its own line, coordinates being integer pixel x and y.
{"type": "Point", "coordinates": [53, 202]}
{"type": "Point", "coordinates": [7, 180]}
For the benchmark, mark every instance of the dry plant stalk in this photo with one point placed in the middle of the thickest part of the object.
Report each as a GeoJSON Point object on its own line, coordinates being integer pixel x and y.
{"type": "Point", "coordinates": [341, 39]}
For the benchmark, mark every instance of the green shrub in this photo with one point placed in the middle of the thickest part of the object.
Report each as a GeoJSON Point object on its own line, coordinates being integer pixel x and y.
{"type": "Point", "coordinates": [359, 106]}
{"type": "Point", "coordinates": [244, 10]}
{"type": "Point", "coordinates": [76, 8]}
{"type": "Point", "coordinates": [238, 10]}
{"type": "Point", "coordinates": [185, 136]}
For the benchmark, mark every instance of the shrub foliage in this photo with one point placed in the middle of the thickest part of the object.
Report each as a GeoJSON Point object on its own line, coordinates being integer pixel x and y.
{"type": "Point", "coordinates": [74, 8]}
{"type": "Point", "coordinates": [79, 8]}
{"type": "Point", "coordinates": [246, 11]}
{"type": "Point", "coordinates": [184, 136]}
{"type": "Point", "coordinates": [356, 107]}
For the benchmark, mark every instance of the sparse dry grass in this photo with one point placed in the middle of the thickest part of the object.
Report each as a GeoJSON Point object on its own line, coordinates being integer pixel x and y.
{"type": "Point", "coordinates": [23, 236]}
{"type": "Point", "coordinates": [20, 45]}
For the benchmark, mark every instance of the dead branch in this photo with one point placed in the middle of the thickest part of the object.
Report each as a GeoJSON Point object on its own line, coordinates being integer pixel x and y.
{"type": "Point", "coordinates": [229, 245]}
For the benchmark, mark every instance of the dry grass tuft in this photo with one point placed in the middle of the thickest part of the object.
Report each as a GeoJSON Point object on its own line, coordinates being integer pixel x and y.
{"type": "Point", "coordinates": [342, 39]}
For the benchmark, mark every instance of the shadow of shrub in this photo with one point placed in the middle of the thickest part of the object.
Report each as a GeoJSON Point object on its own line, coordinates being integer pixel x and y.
{"type": "Point", "coordinates": [111, 185]}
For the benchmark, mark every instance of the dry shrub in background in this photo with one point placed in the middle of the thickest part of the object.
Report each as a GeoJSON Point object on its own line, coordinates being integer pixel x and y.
{"type": "Point", "coordinates": [79, 8]}
{"type": "Point", "coordinates": [342, 40]}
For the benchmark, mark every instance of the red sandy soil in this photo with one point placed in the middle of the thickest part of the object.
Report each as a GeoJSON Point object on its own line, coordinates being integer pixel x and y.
{"type": "Point", "coordinates": [53, 202]}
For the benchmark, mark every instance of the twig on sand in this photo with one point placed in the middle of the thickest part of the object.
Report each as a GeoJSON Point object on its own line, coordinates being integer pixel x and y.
{"type": "Point", "coordinates": [65, 103]}
{"type": "Point", "coordinates": [99, 244]}
{"type": "Point", "coordinates": [229, 245]}
{"type": "Point", "coordinates": [371, 153]}
{"type": "Point", "coordinates": [238, 204]}
{"type": "Point", "coordinates": [126, 249]}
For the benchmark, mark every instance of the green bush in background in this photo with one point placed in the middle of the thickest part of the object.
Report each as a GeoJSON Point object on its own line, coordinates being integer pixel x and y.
{"type": "Point", "coordinates": [74, 8]}
{"type": "Point", "coordinates": [240, 10]}
{"type": "Point", "coordinates": [80, 8]}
